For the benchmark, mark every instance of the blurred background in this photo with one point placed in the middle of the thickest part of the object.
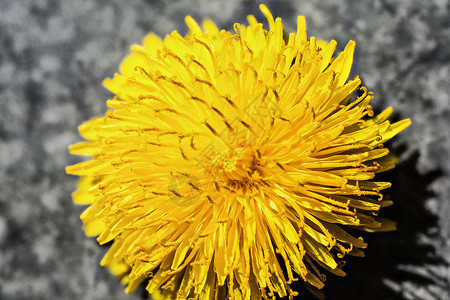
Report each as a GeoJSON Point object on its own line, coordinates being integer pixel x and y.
{"type": "Point", "coordinates": [54, 55]}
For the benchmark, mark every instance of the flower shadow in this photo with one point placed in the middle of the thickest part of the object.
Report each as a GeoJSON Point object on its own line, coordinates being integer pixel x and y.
{"type": "Point", "coordinates": [386, 252]}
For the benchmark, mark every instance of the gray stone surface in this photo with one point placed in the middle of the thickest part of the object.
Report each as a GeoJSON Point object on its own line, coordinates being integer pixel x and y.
{"type": "Point", "coordinates": [54, 55]}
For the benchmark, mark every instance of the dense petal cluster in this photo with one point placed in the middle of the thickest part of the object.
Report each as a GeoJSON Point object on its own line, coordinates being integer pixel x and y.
{"type": "Point", "coordinates": [230, 162]}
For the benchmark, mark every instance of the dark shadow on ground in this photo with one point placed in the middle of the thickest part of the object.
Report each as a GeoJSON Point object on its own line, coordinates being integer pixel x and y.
{"type": "Point", "coordinates": [386, 251]}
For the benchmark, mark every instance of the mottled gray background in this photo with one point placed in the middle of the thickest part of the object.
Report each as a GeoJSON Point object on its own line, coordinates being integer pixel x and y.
{"type": "Point", "coordinates": [54, 55]}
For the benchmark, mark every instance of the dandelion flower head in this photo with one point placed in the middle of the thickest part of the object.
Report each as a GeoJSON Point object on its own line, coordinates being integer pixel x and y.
{"type": "Point", "coordinates": [231, 164]}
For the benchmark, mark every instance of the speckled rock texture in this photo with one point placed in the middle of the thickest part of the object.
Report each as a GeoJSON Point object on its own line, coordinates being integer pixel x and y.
{"type": "Point", "coordinates": [54, 55]}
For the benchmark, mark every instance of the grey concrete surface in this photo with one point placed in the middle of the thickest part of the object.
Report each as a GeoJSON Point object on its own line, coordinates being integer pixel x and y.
{"type": "Point", "coordinates": [54, 55]}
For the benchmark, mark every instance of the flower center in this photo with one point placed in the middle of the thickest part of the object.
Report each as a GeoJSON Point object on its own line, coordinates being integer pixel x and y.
{"type": "Point", "coordinates": [236, 169]}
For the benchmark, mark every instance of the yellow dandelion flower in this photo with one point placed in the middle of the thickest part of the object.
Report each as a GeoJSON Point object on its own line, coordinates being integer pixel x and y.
{"type": "Point", "coordinates": [231, 162]}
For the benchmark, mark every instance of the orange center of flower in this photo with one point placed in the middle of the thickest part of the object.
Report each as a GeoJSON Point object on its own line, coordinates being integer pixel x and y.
{"type": "Point", "coordinates": [233, 168]}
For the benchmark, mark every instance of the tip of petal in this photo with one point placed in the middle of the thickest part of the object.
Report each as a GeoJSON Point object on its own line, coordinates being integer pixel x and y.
{"type": "Point", "coordinates": [193, 25]}
{"type": "Point", "coordinates": [268, 15]}
{"type": "Point", "coordinates": [301, 29]}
